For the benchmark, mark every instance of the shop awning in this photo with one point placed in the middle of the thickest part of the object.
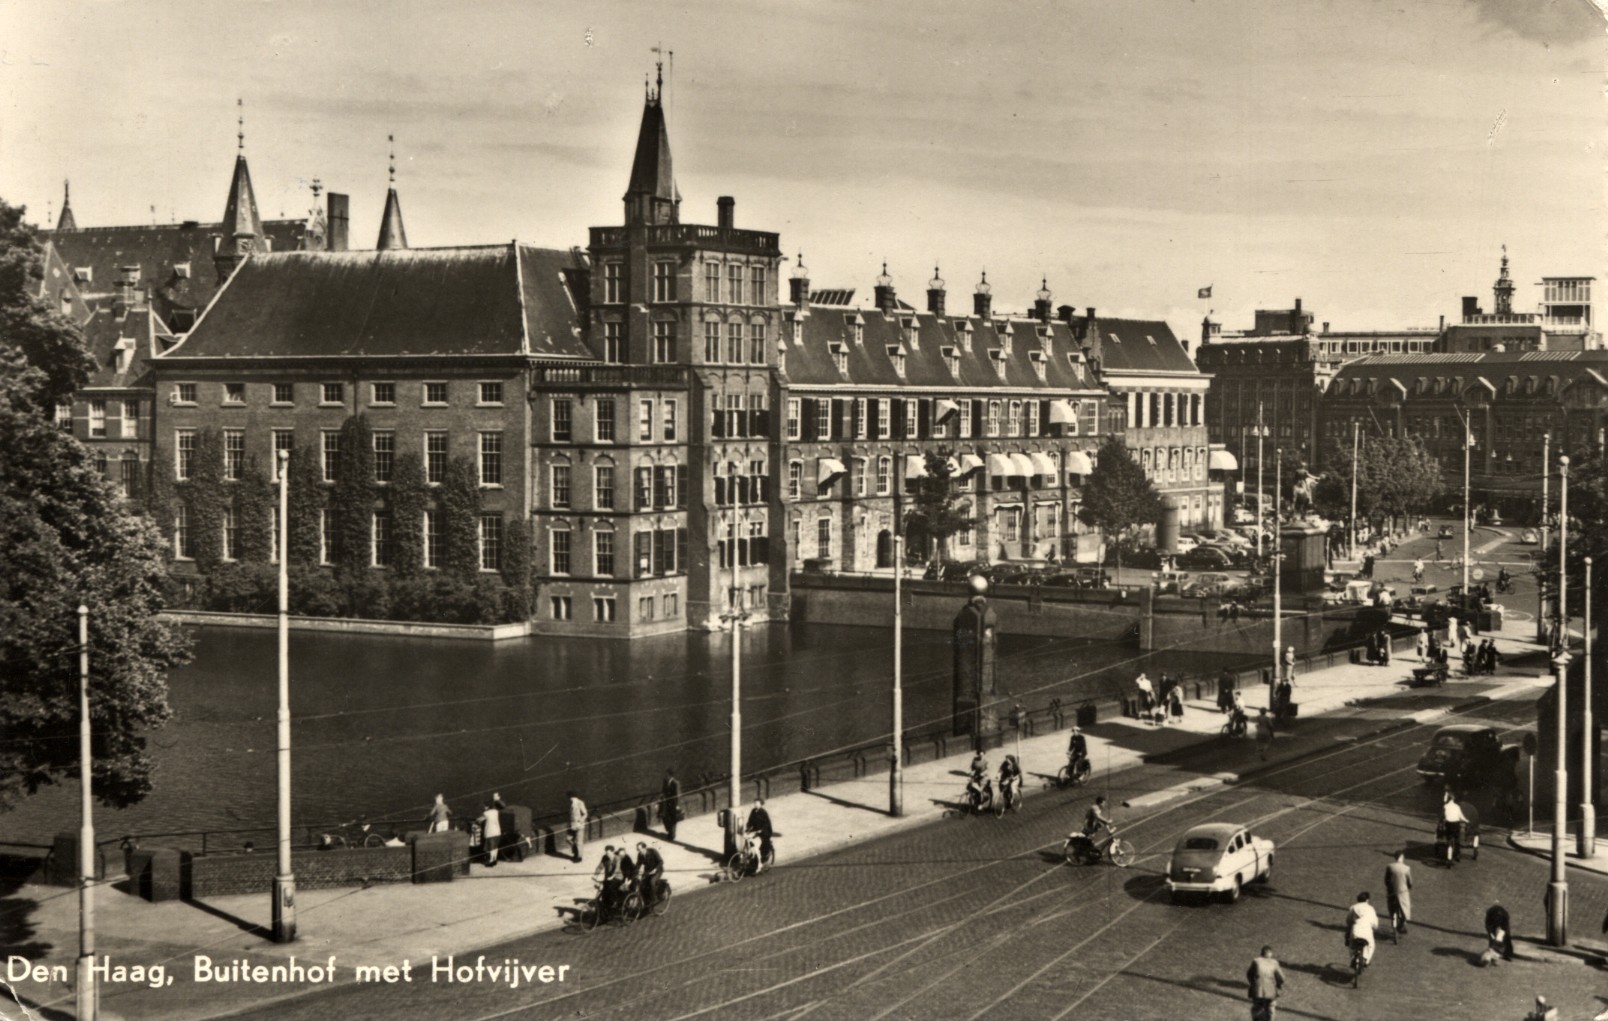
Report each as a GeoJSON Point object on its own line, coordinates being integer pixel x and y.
{"type": "Point", "coordinates": [969, 463]}
{"type": "Point", "coordinates": [1221, 460]}
{"type": "Point", "coordinates": [1024, 467]}
{"type": "Point", "coordinates": [943, 409]}
{"type": "Point", "coordinates": [1043, 465]}
{"type": "Point", "coordinates": [829, 468]}
{"type": "Point", "coordinates": [915, 466]}
{"type": "Point", "coordinates": [1078, 463]}
{"type": "Point", "coordinates": [1063, 413]}
{"type": "Point", "coordinates": [1000, 464]}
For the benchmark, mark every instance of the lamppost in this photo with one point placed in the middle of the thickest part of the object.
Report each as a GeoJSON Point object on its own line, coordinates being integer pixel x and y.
{"type": "Point", "coordinates": [1468, 511]}
{"type": "Point", "coordinates": [896, 775]}
{"type": "Point", "coordinates": [1351, 542]}
{"type": "Point", "coordinates": [1588, 810]}
{"type": "Point", "coordinates": [88, 998]}
{"type": "Point", "coordinates": [284, 909]}
{"type": "Point", "coordinates": [1541, 589]}
{"type": "Point", "coordinates": [1278, 595]}
{"type": "Point", "coordinates": [1261, 431]}
{"type": "Point", "coordinates": [735, 617]}
{"type": "Point", "coordinates": [1558, 888]}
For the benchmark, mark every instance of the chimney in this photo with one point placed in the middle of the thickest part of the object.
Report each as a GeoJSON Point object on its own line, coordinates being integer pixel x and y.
{"type": "Point", "coordinates": [1065, 314]}
{"type": "Point", "coordinates": [1041, 301]}
{"type": "Point", "coordinates": [1205, 331]}
{"type": "Point", "coordinates": [1442, 324]}
{"type": "Point", "coordinates": [338, 215]}
{"type": "Point", "coordinates": [935, 294]}
{"type": "Point", "coordinates": [983, 298]}
{"type": "Point", "coordinates": [726, 207]}
{"type": "Point", "coordinates": [1471, 306]}
{"type": "Point", "coordinates": [799, 284]}
{"type": "Point", "coordinates": [128, 281]}
{"type": "Point", "coordinates": [886, 302]}
{"type": "Point", "coordinates": [1325, 327]}
{"type": "Point", "coordinates": [1298, 306]}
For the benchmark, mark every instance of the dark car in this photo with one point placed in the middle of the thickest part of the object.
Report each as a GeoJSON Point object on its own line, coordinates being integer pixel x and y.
{"type": "Point", "coordinates": [1001, 574]}
{"type": "Point", "coordinates": [1093, 577]}
{"type": "Point", "coordinates": [1470, 756]}
{"type": "Point", "coordinates": [955, 570]}
{"type": "Point", "coordinates": [1205, 558]}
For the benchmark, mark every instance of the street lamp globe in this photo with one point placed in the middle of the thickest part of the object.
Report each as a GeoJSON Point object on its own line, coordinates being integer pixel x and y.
{"type": "Point", "coordinates": [979, 585]}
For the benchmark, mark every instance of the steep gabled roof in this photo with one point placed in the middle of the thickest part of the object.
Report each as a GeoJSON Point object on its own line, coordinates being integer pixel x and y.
{"type": "Point", "coordinates": [650, 169]}
{"type": "Point", "coordinates": [493, 299]}
{"type": "Point", "coordinates": [1142, 345]}
{"type": "Point", "coordinates": [392, 233]}
{"type": "Point", "coordinates": [138, 331]}
{"type": "Point", "coordinates": [240, 211]}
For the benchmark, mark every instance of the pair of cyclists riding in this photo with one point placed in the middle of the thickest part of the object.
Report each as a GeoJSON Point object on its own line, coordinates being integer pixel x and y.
{"type": "Point", "coordinates": [980, 787]}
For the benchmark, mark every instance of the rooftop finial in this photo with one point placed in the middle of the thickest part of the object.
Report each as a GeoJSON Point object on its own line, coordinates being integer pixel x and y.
{"type": "Point", "coordinates": [656, 93]}
{"type": "Point", "coordinates": [240, 122]}
{"type": "Point", "coordinates": [317, 186]}
{"type": "Point", "coordinates": [391, 167]}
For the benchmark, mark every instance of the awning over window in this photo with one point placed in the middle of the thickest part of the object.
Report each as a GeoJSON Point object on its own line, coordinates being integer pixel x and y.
{"type": "Point", "coordinates": [1024, 467]}
{"type": "Point", "coordinates": [943, 409]}
{"type": "Point", "coordinates": [1221, 460]}
{"type": "Point", "coordinates": [1078, 463]}
{"type": "Point", "coordinates": [915, 466]}
{"type": "Point", "coordinates": [1063, 413]}
{"type": "Point", "coordinates": [1042, 464]}
{"type": "Point", "coordinates": [969, 463]}
{"type": "Point", "coordinates": [1000, 464]}
{"type": "Point", "coordinates": [829, 468]}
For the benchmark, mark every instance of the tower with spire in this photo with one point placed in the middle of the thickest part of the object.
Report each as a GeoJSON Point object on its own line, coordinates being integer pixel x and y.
{"type": "Point", "coordinates": [241, 230]}
{"type": "Point", "coordinates": [1503, 288]}
{"type": "Point", "coordinates": [392, 233]}
{"type": "Point", "coordinates": [651, 196]}
{"type": "Point", "coordinates": [66, 220]}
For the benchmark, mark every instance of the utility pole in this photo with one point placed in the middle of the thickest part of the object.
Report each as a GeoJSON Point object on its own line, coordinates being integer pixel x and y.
{"type": "Point", "coordinates": [88, 999]}
{"type": "Point", "coordinates": [1588, 810]}
{"type": "Point", "coordinates": [896, 776]}
{"type": "Point", "coordinates": [736, 617]}
{"type": "Point", "coordinates": [284, 909]}
{"type": "Point", "coordinates": [1468, 510]}
{"type": "Point", "coordinates": [1259, 495]}
{"type": "Point", "coordinates": [1558, 888]}
{"type": "Point", "coordinates": [1541, 589]}
{"type": "Point", "coordinates": [1278, 595]}
{"type": "Point", "coordinates": [1356, 433]}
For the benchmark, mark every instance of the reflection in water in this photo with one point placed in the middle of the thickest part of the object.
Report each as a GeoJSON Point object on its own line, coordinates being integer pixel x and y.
{"type": "Point", "coordinates": [382, 724]}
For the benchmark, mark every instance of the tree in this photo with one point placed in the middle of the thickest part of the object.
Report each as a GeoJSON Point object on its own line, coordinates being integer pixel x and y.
{"type": "Point", "coordinates": [352, 500]}
{"type": "Point", "coordinates": [460, 520]}
{"type": "Point", "coordinates": [1396, 475]}
{"type": "Point", "coordinates": [255, 499]}
{"type": "Point", "coordinates": [410, 497]}
{"type": "Point", "coordinates": [306, 506]}
{"type": "Point", "coordinates": [205, 495]}
{"type": "Point", "coordinates": [937, 507]}
{"type": "Point", "coordinates": [516, 568]}
{"type": "Point", "coordinates": [67, 539]}
{"type": "Point", "coordinates": [1118, 496]}
{"type": "Point", "coordinates": [1588, 536]}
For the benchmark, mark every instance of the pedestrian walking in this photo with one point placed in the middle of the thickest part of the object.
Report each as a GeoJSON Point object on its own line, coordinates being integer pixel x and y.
{"type": "Point", "coordinates": [1384, 647]}
{"type": "Point", "coordinates": [1289, 663]}
{"type": "Point", "coordinates": [1545, 1011]}
{"type": "Point", "coordinates": [1468, 659]}
{"type": "Point", "coordinates": [670, 803]}
{"type": "Point", "coordinates": [1421, 643]}
{"type": "Point", "coordinates": [1176, 703]}
{"type": "Point", "coordinates": [1372, 642]}
{"type": "Point", "coordinates": [1266, 981]}
{"type": "Point", "coordinates": [1225, 691]}
{"type": "Point", "coordinates": [577, 825]}
{"type": "Point", "coordinates": [1399, 892]}
{"type": "Point", "coordinates": [1418, 571]}
{"type": "Point", "coordinates": [440, 815]}
{"type": "Point", "coordinates": [1499, 932]}
{"type": "Point", "coordinates": [491, 832]}
{"type": "Point", "coordinates": [1147, 696]}
{"type": "Point", "coordinates": [1264, 733]}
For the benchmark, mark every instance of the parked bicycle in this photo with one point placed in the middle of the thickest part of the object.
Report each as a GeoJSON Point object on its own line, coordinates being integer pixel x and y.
{"type": "Point", "coordinates": [352, 834]}
{"type": "Point", "coordinates": [748, 860]}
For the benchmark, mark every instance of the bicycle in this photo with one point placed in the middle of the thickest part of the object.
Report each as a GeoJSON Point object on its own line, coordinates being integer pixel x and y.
{"type": "Point", "coordinates": [1074, 774]}
{"type": "Point", "coordinates": [1236, 726]}
{"type": "Point", "coordinates": [661, 896]}
{"type": "Point", "coordinates": [351, 834]}
{"type": "Point", "coordinates": [748, 860]}
{"type": "Point", "coordinates": [1083, 850]}
{"type": "Point", "coordinates": [626, 912]}
{"type": "Point", "coordinates": [1010, 798]}
{"type": "Point", "coordinates": [1359, 961]}
{"type": "Point", "coordinates": [980, 799]}
{"type": "Point", "coordinates": [1398, 922]}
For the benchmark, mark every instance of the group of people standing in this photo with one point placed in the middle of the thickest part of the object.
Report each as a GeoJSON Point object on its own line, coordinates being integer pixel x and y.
{"type": "Point", "coordinates": [1163, 706]}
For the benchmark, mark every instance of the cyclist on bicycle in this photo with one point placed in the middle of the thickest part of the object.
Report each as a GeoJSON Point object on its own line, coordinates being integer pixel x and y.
{"type": "Point", "coordinates": [1077, 750]}
{"type": "Point", "coordinates": [1010, 778]}
{"type": "Point", "coordinates": [650, 871]}
{"type": "Point", "coordinates": [759, 825]}
{"type": "Point", "coordinates": [609, 877]}
{"type": "Point", "coordinates": [1361, 921]}
{"type": "Point", "coordinates": [979, 765]}
{"type": "Point", "coordinates": [1096, 819]}
{"type": "Point", "coordinates": [1399, 892]}
{"type": "Point", "coordinates": [977, 784]}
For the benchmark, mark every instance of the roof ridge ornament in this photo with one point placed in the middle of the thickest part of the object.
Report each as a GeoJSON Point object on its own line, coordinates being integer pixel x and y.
{"type": "Point", "coordinates": [240, 122]}
{"type": "Point", "coordinates": [391, 166]}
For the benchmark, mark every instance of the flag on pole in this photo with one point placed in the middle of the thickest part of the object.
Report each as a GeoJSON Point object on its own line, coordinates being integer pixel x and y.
{"type": "Point", "coordinates": [1204, 292]}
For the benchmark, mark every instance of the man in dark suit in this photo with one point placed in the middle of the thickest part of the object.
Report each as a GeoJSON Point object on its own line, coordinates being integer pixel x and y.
{"type": "Point", "coordinates": [1266, 980]}
{"type": "Point", "coordinates": [670, 803]}
{"type": "Point", "coordinates": [759, 824]}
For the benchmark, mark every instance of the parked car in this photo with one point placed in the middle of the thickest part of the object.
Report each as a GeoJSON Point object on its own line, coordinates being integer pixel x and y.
{"type": "Point", "coordinates": [1529, 536]}
{"type": "Point", "coordinates": [1028, 575]}
{"type": "Point", "coordinates": [1244, 516]}
{"type": "Point", "coordinates": [1218, 858]}
{"type": "Point", "coordinates": [1222, 537]}
{"type": "Point", "coordinates": [1211, 585]}
{"type": "Point", "coordinates": [1093, 577]}
{"type": "Point", "coordinates": [1208, 558]}
{"type": "Point", "coordinates": [1165, 582]}
{"type": "Point", "coordinates": [1444, 533]}
{"type": "Point", "coordinates": [1000, 574]}
{"type": "Point", "coordinates": [1418, 597]}
{"type": "Point", "coordinates": [1471, 756]}
{"type": "Point", "coordinates": [1134, 556]}
{"type": "Point", "coordinates": [1183, 544]}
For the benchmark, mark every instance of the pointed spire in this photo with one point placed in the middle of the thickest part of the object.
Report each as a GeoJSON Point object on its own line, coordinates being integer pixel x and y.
{"type": "Point", "coordinates": [1504, 287]}
{"type": "Point", "coordinates": [392, 233]}
{"type": "Point", "coordinates": [66, 222]}
{"type": "Point", "coordinates": [241, 228]}
{"type": "Point", "coordinates": [651, 196]}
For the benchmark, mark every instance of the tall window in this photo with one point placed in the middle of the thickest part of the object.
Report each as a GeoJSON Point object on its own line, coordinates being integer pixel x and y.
{"type": "Point", "coordinates": [734, 342]}
{"type": "Point", "coordinates": [757, 289]}
{"type": "Point", "coordinates": [884, 476]}
{"type": "Point", "coordinates": [795, 479]}
{"type": "Point", "coordinates": [795, 427]}
{"type": "Point", "coordinates": [183, 453]}
{"type": "Point", "coordinates": [965, 420]}
{"type": "Point", "coordinates": [603, 486]}
{"type": "Point", "coordinates": [128, 476]}
{"type": "Point", "coordinates": [559, 540]}
{"type": "Point", "coordinates": [912, 418]}
{"type": "Point", "coordinates": [284, 439]}
{"type": "Point", "coordinates": [862, 475]}
{"type": "Point", "coordinates": [860, 418]}
{"type": "Point", "coordinates": [734, 284]}
{"type": "Point", "coordinates": [384, 456]}
{"type": "Point", "coordinates": [332, 455]}
{"type": "Point", "coordinates": [561, 486]}
{"type": "Point", "coordinates": [611, 283]}
{"type": "Point", "coordinates": [563, 419]}
{"type": "Point", "coordinates": [884, 417]}
{"type": "Point", "coordinates": [181, 532]}
{"type": "Point", "coordinates": [97, 418]}
{"type": "Point", "coordinates": [64, 416]}
{"type": "Point", "coordinates": [823, 419]}
{"type": "Point", "coordinates": [603, 609]}
{"type": "Point", "coordinates": [712, 282]}
{"type": "Point", "coordinates": [491, 530]}
{"type": "Point", "coordinates": [823, 538]}
{"type": "Point", "coordinates": [1014, 418]}
{"type": "Point", "coordinates": [491, 459]}
{"type": "Point", "coordinates": [603, 419]}
{"type": "Point", "coordinates": [1032, 418]}
{"type": "Point", "coordinates": [435, 457]}
{"type": "Point", "coordinates": [664, 342]}
{"type": "Point", "coordinates": [612, 352]}
{"type": "Point", "coordinates": [670, 419]}
{"type": "Point", "coordinates": [234, 453]}
{"type": "Point", "coordinates": [231, 534]}
{"type": "Point", "coordinates": [432, 538]}
{"type": "Point", "coordinates": [993, 418]}
{"type": "Point", "coordinates": [645, 421]}
{"type": "Point", "coordinates": [380, 551]}
{"type": "Point", "coordinates": [711, 341]}
{"type": "Point", "coordinates": [603, 553]}
{"type": "Point", "coordinates": [756, 343]}
{"type": "Point", "coordinates": [664, 281]}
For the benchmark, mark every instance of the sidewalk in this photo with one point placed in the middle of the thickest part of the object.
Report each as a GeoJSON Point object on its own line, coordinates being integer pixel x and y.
{"type": "Point", "coordinates": [386, 924]}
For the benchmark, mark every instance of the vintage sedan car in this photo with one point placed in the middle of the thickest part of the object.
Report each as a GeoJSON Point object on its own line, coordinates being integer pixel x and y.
{"type": "Point", "coordinates": [1470, 757]}
{"type": "Point", "coordinates": [1418, 597]}
{"type": "Point", "coordinates": [1218, 858]}
{"type": "Point", "coordinates": [1208, 558]}
{"type": "Point", "coordinates": [1168, 582]}
{"type": "Point", "coordinates": [1528, 536]}
{"type": "Point", "coordinates": [1210, 585]}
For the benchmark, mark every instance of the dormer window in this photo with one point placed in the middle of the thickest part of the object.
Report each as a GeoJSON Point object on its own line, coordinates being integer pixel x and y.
{"type": "Point", "coordinates": [798, 331]}
{"type": "Point", "coordinates": [907, 330]}
{"type": "Point", "coordinates": [840, 358]}
{"type": "Point", "coordinates": [963, 332]}
{"type": "Point", "coordinates": [181, 270]}
{"type": "Point", "coordinates": [897, 356]}
{"type": "Point", "coordinates": [952, 360]}
{"type": "Point", "coordinates": [83, 274]}
{"type": "Point", "coordinates": [1000, 361]}
{"type": "Point", "coordinates": [1040, 365]}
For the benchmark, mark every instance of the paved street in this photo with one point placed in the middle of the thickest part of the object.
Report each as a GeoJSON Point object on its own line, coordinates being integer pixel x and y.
{"type": "Point", "coordinates": [975, 918]}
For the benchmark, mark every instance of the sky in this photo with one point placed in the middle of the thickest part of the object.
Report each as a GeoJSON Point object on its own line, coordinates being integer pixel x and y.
{"type": "Point", "coordinates": [1370, 158]}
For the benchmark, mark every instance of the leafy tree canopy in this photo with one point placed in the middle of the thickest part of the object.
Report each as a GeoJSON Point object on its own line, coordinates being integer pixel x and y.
{"type": "Point", "coordinates": [1118, 496]}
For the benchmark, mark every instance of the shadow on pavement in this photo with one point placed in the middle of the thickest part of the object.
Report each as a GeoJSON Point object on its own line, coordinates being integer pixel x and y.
{"type": "Point", "coordinates": [1329, 974]}
{"type": "Point", "coordinates": [845, 803]}
{"type": "Point", "coordinates": [16, 928]}
{"type": "Point", "coordinates": [250, 928]}
{"type": "Point", "coordinates": [1471, 956]}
